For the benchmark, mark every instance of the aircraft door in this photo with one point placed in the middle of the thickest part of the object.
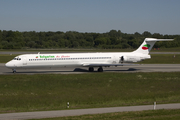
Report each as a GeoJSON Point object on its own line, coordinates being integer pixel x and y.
{"type": "Point", "coordinates": [115, 60]}
{"type": "Point", "coordinates": [24, 61]}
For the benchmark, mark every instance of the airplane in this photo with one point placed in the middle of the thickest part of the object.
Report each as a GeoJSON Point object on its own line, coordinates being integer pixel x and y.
{"type": "Point", "coordinates": [90, 60]}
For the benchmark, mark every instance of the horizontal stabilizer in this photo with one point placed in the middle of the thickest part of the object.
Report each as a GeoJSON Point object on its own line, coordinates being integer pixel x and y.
{"type": "Point", "coordinates": [154, 39]}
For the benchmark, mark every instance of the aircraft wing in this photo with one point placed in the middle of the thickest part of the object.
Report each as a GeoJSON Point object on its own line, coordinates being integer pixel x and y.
{"type": "Point", "coordinates": [105, 65]}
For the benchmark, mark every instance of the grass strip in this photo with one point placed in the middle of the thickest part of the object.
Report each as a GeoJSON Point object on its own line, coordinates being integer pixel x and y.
{"type": "Point", "coordinates": [162, 59]}
{"type": "Point", "coordinates": [92, 90]}
{"type": "Point", "coordinates": [174, 49]}
{"type": "Point", "coordinates": [4, 58]}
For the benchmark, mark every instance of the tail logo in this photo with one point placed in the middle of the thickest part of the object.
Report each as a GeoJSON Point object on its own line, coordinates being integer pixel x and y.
{"type": "Point", "coordinates": [145, 47]}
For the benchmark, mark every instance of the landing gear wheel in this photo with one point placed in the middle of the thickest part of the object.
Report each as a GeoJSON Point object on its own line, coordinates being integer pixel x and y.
{"type": "Point", "coordinates": [100, 69]}
{"type": "Point", "coordinates": [14, 70]}
{"type": "Point", "coordinates": [91, 69]}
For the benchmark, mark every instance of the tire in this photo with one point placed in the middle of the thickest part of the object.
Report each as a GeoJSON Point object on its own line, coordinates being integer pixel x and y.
{"type": "Point", "coordinates": [91, 69]}
{"type": "Point", "coordinates": [100, 69]}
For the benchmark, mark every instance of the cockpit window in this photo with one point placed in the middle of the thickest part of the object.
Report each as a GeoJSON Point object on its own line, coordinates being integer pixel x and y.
{"type": "Point", "coordinates": [17, 59]}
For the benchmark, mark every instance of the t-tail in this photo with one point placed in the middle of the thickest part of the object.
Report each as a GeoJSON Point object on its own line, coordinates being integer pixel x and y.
{"type": "Point", "coordinates": [148, 44]}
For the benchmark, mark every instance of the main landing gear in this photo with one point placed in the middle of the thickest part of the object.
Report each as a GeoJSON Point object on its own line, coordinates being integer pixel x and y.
{"type": "Point", "coordinates": [14, 70]}
{"type": "Point", "coordinates": [91, 69]}
{"type": "Point", "coordinates": [100, 69]}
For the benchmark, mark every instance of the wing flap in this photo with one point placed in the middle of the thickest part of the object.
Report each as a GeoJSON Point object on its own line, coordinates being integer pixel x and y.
{"type": "Point", "coordinates": [104, 65]}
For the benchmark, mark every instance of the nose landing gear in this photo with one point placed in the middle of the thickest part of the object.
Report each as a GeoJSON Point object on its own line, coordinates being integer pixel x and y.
{"type": "Point", "coordinates": [14, 70]}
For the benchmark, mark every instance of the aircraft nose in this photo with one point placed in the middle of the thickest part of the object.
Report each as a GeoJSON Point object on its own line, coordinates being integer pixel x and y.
{"type": "Point", "coordinates": [9, 64]}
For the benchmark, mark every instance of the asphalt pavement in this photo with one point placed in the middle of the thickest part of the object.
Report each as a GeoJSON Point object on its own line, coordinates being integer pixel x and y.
{"type": "Point", "coordinates": [80, 70]}
{"type": "Point", "coordinates": [77, 112]}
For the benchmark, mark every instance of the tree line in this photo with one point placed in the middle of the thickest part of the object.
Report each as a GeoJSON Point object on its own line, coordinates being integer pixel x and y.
{"type": "Point", "coordinates": [110, 40]}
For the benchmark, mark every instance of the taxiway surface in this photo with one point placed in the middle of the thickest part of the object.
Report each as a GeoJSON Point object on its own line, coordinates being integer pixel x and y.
{"type": "Point", "coordinates": [62, 113]}
{"type": "Point", "coordinates": [71, 70]}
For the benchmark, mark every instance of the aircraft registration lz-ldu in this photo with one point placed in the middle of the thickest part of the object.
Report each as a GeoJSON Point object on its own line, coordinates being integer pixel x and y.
{"type": "Point", "coordinates": [90, 60]}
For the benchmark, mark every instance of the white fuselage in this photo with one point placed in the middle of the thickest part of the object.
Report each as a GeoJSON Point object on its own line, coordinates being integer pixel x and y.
{"type": "Point", "coordinates": [73, 59]}
{"type": "Point", "coordinates": [90, 60]}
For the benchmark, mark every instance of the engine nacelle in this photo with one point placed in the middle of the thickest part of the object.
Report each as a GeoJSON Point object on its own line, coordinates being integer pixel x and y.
{"type": "Point", "coordinates": [130, 59]}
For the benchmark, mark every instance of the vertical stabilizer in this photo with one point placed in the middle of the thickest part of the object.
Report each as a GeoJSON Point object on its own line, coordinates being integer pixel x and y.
{"type": "Point", "coordinates": [147, 45]}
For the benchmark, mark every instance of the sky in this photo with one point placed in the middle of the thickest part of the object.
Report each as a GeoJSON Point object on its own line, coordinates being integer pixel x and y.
{"type": "Point", "coordinates": [100, 16]}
